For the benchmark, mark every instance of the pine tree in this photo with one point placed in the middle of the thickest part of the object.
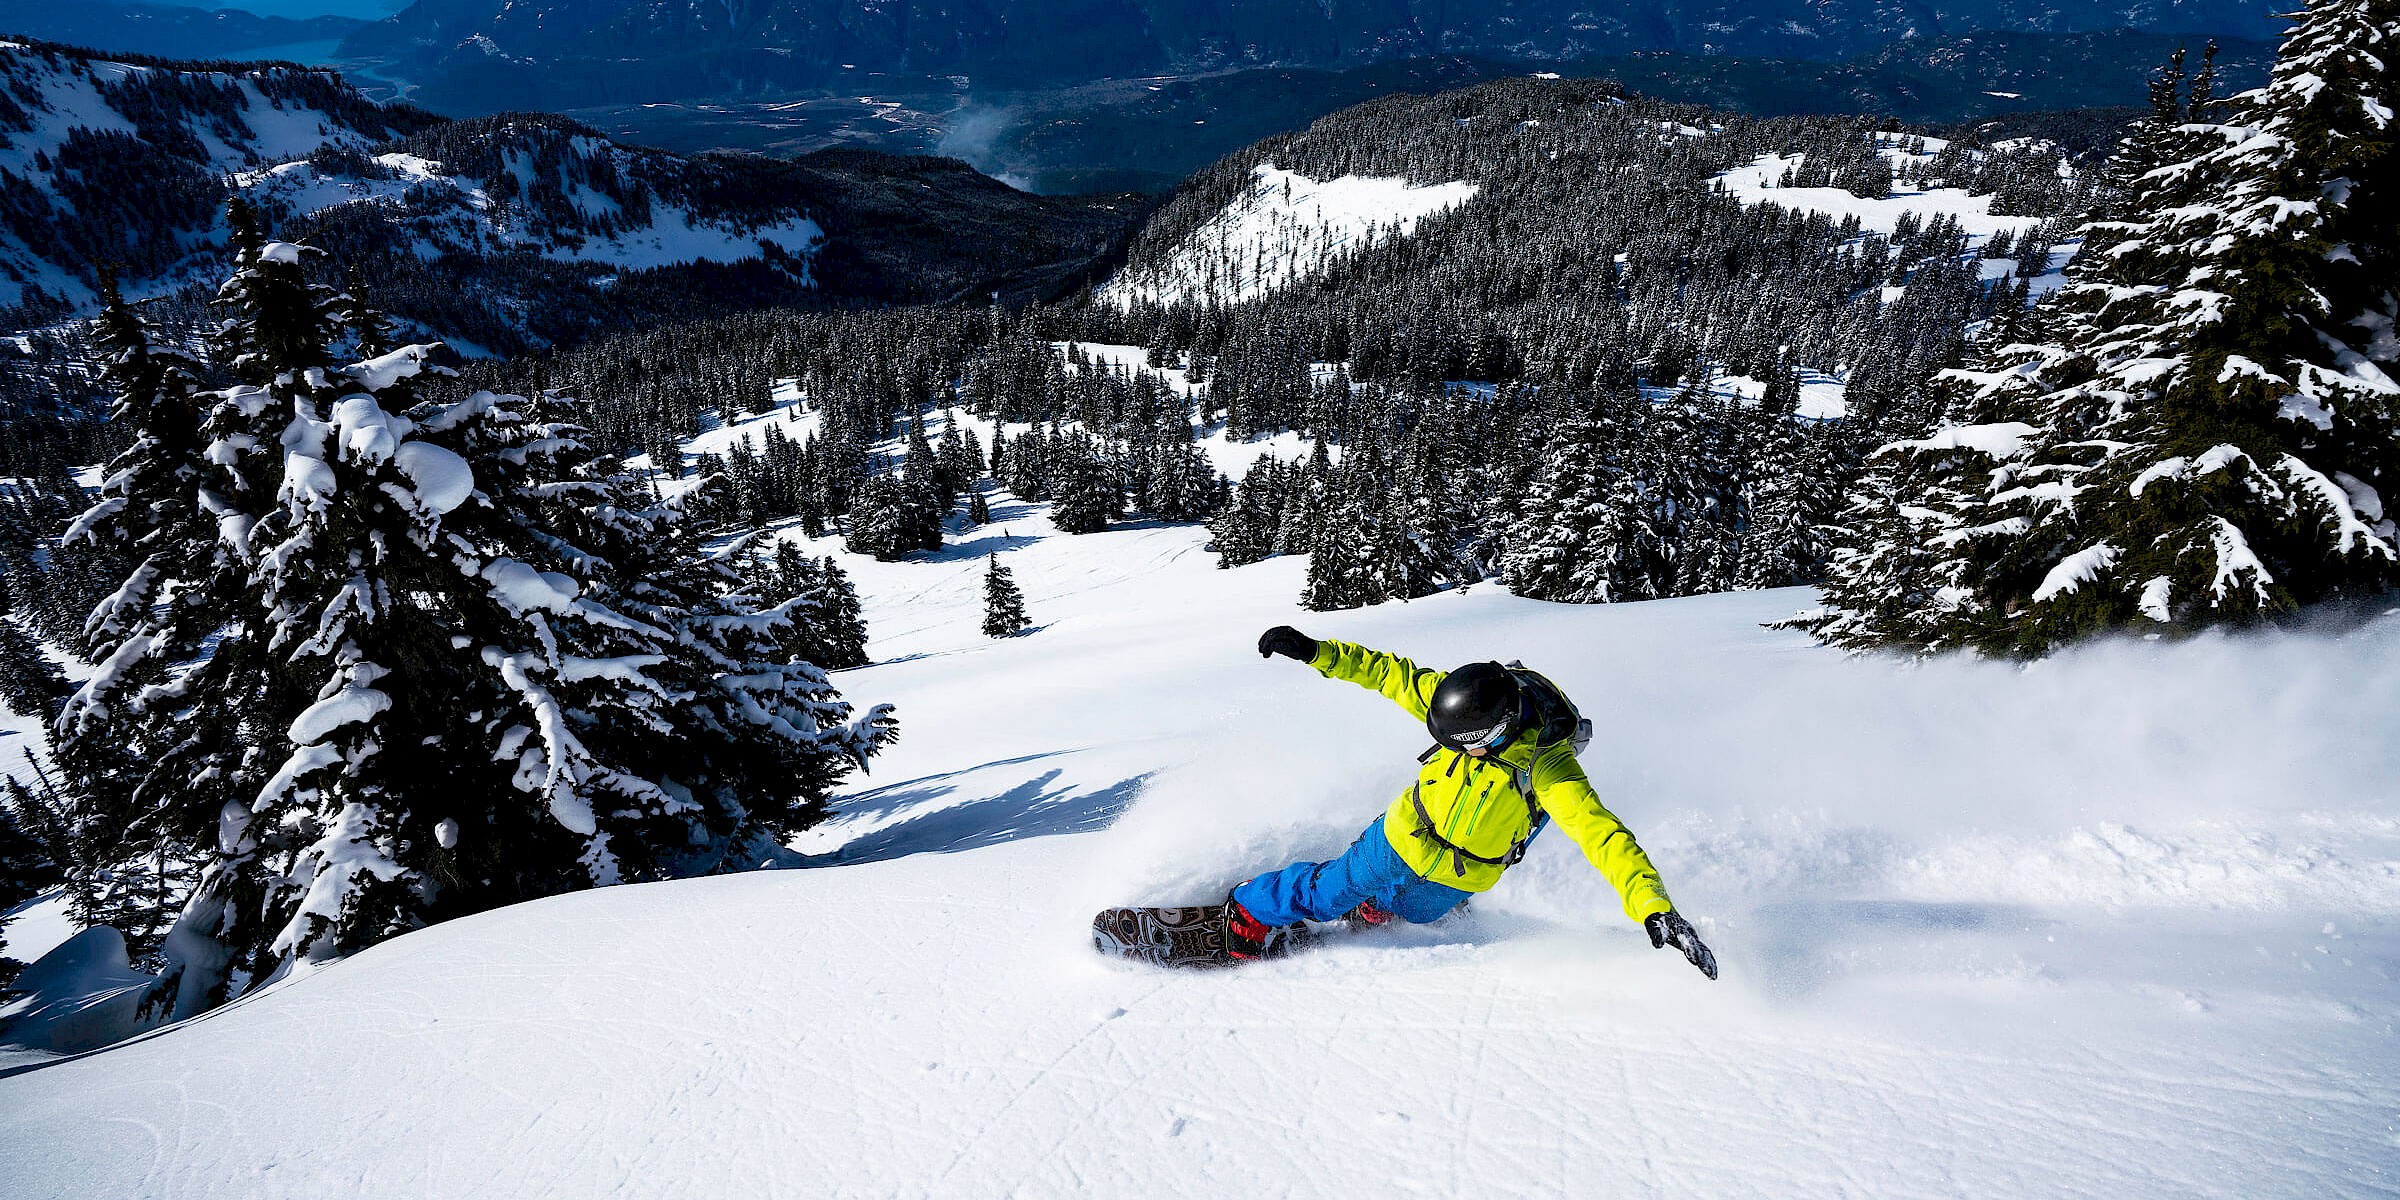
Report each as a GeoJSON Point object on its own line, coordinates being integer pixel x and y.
{"type": "Point", "coordinates": [2210, 436]}
{"type": "Point", "coordinates": [1305, 504]}
{"type": "Point", "coordinates": [152, 502]}
{"type": "Point", "coordinates": [926, 495]}
{"type": "Point", "coordinates": [1244, 531]}
{"type": "Point", "coordinates": [1367, 552]}
{"type": "Point", "coordinates": [979, 511]}
{"type": "Point", "coordinates": [1790, 501]}
{"type": "Point", "coordinates": [1003, 604]}
{"type": "Point", "coordinates": [1581, 533]}
{"type": "Point", "coordinates": [875, 520]}
{"type": "Point", "coordinates": [1088, 495]}
{"type": "Point", "coordinates": [28, 863]}
{"type": "Point", "coordinates": [29, 682]}
{"type": "Point", "coordinates": [841, 621]}
{"type": "Point", "coordinates": [466, 665]}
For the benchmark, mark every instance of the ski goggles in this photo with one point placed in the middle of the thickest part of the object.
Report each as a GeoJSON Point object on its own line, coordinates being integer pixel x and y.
{"type": "Point", "coordinates": [1486, 740]}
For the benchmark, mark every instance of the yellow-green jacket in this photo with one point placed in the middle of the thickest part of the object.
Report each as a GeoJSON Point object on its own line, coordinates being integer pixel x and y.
{"type": "Point", "coordinates": [1476, 805]}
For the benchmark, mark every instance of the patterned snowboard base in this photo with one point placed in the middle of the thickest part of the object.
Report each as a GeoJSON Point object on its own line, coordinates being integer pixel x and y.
{"type": "Point", "coordinates": [1179, 937]}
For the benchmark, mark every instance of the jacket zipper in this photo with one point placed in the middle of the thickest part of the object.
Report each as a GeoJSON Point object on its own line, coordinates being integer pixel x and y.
{"type": "Point", "coordinates": [1483, 801]}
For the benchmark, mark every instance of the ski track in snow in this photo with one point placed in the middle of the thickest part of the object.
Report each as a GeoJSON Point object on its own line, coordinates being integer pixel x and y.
{"type": "Point", "coordinates": [2122, 923]}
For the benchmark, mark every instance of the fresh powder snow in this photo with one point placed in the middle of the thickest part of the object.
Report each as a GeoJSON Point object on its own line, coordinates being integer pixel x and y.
{"type": "Point", "coordinates": [2121, 923]}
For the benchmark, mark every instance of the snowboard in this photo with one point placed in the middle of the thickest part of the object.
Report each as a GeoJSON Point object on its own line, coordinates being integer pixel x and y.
{"type": "Point", "coordinates": [1192, 936]}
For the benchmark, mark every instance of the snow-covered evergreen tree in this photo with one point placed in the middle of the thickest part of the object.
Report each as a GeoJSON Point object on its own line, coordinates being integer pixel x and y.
{"type": "Point", "coordinates": [463, 665]}
{"type": "Point", "coordinates": [841, 624]}
{"type": "Point", "coordinates": [1371, 549]}
{"type": "Point", "coordinates": [1244, 531]}
{"type": "Point", "coordinates": [1306, 503]}
{"type": "Point", "coordinates": [2210, 435]}
{"type": "Point", "coordinates": [1579, 535]}
{"type": "Point", "coordinates": [1790, 503]}
{"type": "Point", "coordinates": [826, 627]}
{"type": "Point", "coordinates": [875, 520]}
{"type": "Point", "coordinates": [1088, 495]}
{"type": "Point", "coordinates": [1003, 605]}
{"type": "Point", "coordinates": [926, 494]}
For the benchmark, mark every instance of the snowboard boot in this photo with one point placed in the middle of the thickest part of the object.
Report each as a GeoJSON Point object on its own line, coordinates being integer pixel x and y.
{"type": "Point", "coordinates": [1366, 916]}
{"type": "Point", "coordinates": [1248, 939]}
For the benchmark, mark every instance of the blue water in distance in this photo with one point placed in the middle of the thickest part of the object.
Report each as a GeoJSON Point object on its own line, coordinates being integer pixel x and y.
{"type": "Point", "coordinates": [365, 10]}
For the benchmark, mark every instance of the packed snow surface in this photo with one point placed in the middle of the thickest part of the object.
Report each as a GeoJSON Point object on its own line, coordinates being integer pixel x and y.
{"type": "Point", "coordinates": [2119, 924]}
{"type": "Point", "coordinates": [1284, 229]}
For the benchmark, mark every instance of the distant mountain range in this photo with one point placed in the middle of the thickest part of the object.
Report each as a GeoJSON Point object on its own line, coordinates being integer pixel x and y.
{"type": "Point", "coordinates": [166, 30]}
{"type": "Point", "coordinates": [1136, 134]}
{"type": "Point", "coordinates": [493, 54]}
{"type": "Point", "coordinates": [1066, 96]}
{"type": "Point", "coordinates": [508, 233]}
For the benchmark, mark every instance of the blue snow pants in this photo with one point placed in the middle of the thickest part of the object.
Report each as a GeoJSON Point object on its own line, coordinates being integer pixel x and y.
{"type": "Point", "coordinates": [1323, 891]}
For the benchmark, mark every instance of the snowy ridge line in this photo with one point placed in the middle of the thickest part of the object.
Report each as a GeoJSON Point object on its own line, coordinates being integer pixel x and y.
{"type": "Point", "coordinates": [1285, 229]}
{"type": "Point", "coordinates": [66, 95]}
{"type": "Point", "coordinates": [469, 220]}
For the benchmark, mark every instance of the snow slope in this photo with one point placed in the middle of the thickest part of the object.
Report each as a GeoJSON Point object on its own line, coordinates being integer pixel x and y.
{"type": "Point", "coordinates": [1284, 229]}
{"type": "Point", "coordinates": [2121, 924]}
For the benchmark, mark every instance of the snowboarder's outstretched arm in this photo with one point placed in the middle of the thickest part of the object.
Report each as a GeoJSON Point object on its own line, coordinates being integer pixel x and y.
{"type": "Point", "coordinates": [1401, 681]}
{"type": "Point", "coordinates": [1563, 791]}
{"type": "Point", "coordinates": [1560, 787]}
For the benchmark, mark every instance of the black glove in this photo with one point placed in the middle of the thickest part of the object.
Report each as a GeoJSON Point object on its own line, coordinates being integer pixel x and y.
{"type": "Point", "coordinates": [1288, 642]}
{"type": "Point", "coordinates": [1670, 929]}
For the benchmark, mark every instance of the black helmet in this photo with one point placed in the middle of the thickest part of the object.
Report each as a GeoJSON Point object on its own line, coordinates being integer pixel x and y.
{"type": "Point", "coordinates": [1478, 705]}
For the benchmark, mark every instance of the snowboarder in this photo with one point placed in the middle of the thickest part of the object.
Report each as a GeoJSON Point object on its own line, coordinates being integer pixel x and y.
{"type": "Point", "coordinates": [1502, 768]}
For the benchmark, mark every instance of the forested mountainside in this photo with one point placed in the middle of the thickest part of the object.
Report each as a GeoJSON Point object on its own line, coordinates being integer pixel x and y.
{"type": "Point", "coordinates": [474, 55]}
{"type": "Point", "coordinates": [501, 235]}
{"type": "Point", "coordinates": [1579, 269]}
{"type": "Point", "coordinates": [500, 232]}
{"type": "Point", "coordinates": [523, 231]}
{"type": "Point", "coordinates": [122, 162]}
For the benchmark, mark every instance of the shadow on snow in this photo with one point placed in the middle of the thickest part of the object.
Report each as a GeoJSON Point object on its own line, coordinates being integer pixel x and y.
{"type": "Point", "coordinates": [945, 817]}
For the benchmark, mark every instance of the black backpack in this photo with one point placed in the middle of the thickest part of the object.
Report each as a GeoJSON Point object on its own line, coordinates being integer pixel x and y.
{"type": "Point", "coordinates": [1554, 718]}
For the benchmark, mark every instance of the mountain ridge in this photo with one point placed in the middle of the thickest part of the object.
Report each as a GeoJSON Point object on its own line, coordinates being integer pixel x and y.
{"type": "Point", "coordinates": [512, 233]}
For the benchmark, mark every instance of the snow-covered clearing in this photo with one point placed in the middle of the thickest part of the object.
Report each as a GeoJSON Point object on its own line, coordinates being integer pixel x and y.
{"type": "Point", "coordinates": [1285, 228]}
{"type": "Point", "coordinates": [1232, 459]}
{"type": "Point", "coordinates": [1823, 396]}
{"type": "Point", "coordinates": [790, 411]}
{"type": "Point", "coordinates": [1756, 184]}
{"type": "Point", "coordinates": [2121, 924]}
